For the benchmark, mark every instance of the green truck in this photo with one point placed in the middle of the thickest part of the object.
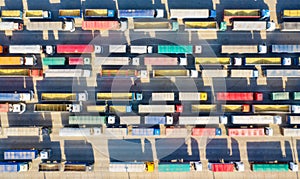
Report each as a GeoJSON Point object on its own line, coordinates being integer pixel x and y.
{"type": "Point", "coordinates": [273, 167]}
{"type": "Point", "coordinates": [89, 120]}
{"type": "Point", "coordinates": [280, 96]}
{"type": "Point", "coordinates": [53, 61]}
{"type": "Point", "coordinates": [179, 49]}
{"type": "Point", "coordinates": [174, 167]}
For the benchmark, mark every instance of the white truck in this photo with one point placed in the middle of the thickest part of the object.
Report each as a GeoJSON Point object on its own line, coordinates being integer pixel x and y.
{"type": "Point", "coordinates": [141, 49]}
{"type": "Point", "coordinates": [253, 26]}
{"type": "Point", "coordinates": [51, 25]}
{"type": "Point", "coordinates": [290, 26]}
{"type": "Point", "coordinates": [163, 97]}
{"type": "Point", "coordinates": [25, 49]}
{"type": "Point", "coordinates": [112, 61]}
{"type": "Point", "coordinates": [235, 73]}
{"type": "Point", "coordinates": [21, 131]}
{"type": "Point", "coordinates": [79, 132]}
{"type": "Point", "coordinates": [240, 49]}
{"type": "Point", "coordinates": [11, 26]}
{"type": "Point", "coordinates": [72, 73]}
{"type": "Point", "coordinates": [117, 48]}
{"type": "Point", "coordinates": [256, 119]}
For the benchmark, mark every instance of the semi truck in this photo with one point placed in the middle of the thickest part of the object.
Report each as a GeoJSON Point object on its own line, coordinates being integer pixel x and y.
{"type": "Point", "coordinates": [243, 73]}
{"type": "Point", "coordinates": [112, 61]}
{"type": "Point", "coordinates": [79, 60]}
{"type": "Point", "coordinates": [290, 26]}
{"type": "Point", "coordinates": [163, 61]}
{"type": "Point", "coordinates": [285, 48]}
{"type": "Point", "coordinates": [117, 48]}
{"type": "Point", "coordinates": [120, 108]}
{"type": "Point", "coordinates": [131, 166]}
{"type": "Point", "coordinates": [13, 167]}
{"type": "Point", "coordinates": [77, 48]}
{"type": "Point", "coordinates": [213, 60]}
{"type": "Point", "coordinates": [141, 49]}
{"type": "Point", "coordinates": [174, 73]}
{"type": "Point", "coordinates": [253, 26]}
{"type": "Point", "coordinates": [116, 96]}
{"type": "Point", "coordinates": [104, 25]}
{"type": "Point", "coordinates": [12, 14]}
{"type": "Point", "coordinates": [159, 108]}
{"type": "Point", "coordinates": [279, 73]}
{"type": "Point", "coordinates": [163, 96]}
{"type": "Point", "coordinates": [202, 120]}
{"type": "Point", "coordinates": [20, 154]}
{"type": "Point", "coordinates": [121, 73]}
{"type": "Point", "coordinates": [22, 131]}
{"type": "Point", "coordinates": [179, 49]}
{"type": "Point", "coordinates": [206, 132]}
{"type": "Point", "coordinates": [69, 13]}
{"type": "Point", "coordinates": [155, 25]}
{"type": "Point", "coordinates": [265, 61]}
{"type": "Point", "coordinates": [140, 13]}
{"type": "Point", "coordinates": [15, 108]}
{"type": "Point", "coordinates": [64, 96]}
{"type": "Point", "coordinates": [268, 108]}
{"type": "Point", "coordinates": [249, 132]}
{"type": "Point", "coordinates": [14, 60]}
{"type": "Point", "coordinates": [67, 25]}
{"type": "Point", "coordinates": [71, 73]}
{"type": "Point", "coordinates": [192, 96]}
{"type": "Point", "coordinates": [12, 72]}
{"type": "Point", "coordinates": [79, 132]}
{"type": "Point", "coordinates": [11, 26]}
{"type": "Point", "coordinates": [201, 26]}
{"type": "Point", "coordinates": [192, 13]}
{"type": "Point", "coordinates": [256, 119]}
{"type": "Point", "coordinates": [240, 49]}
{"type": "Point", "coordinates": [38, 14]}
{"type": "Point", "coordinates": [98, 13]}
{"type": "Point", "coordinates": [239, 96]}
{"type": "Point", "coordinates": [207, 73]}
{"type": "Point", "coordinates": [230, 14]}
{"type": "Point", "coordinates": [25, 49]}
{"type": "Point", "coordinates": [16, 97]}
{"type": "Point", "coordinates": [57, 108]}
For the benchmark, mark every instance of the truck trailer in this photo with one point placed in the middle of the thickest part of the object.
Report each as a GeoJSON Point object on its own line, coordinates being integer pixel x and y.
{"type": "Point", "coordinates": [253, 26]}
{"type": "Point", "coordinates": [269, 108]}
{"type": "Point", "coordinates": [112, 61]}
{"type": "Point", "coordinates": [141, 13]}
{"type": "Point", "coordinates": [158, 108]}
{"type": "Point", "coordinates": [15, 108]}
{"type": "Point", "coordinates": [285, 48]}
{"type": "Point", "coordinates": [13, 72]}
{"type": "Point", "coordinates": [69, 13]}
{"type": "Point", "coordinates": [239, 96]}
{"type": "Point", "coordinates": [77, 48]}
{"type": "Point", "coordinates": [200, 120]}
{"type": "Point", "coordinates": [22, 131]}
{"type": "Point", "coordinates": [79, 132]}
{"type": "Point", "coordinates": [240, 49]}
{"type": "Point", "coordinates": [279, 73]}
{"type": "Point", "coordinates": [13, 167]}
{"type": "Point", "coordinates": [38, 14]}
{"type": "Point", "coordinates": [192, 96]}
{"type": "Point", "coordinates": [155, 25]}
{"type": "Point", "coordinates": [12, 14]}
{"type": "Point", "coordinates": [179, 49]}
{"type": "Point", "coordinates": [71, 73]}
{"type": "Point", "coordinates": [256, 119]}
{"type": "Point", "coordinates": [230, 14]}
{"type": "Point", "coordinates": [192, 13]}
{"type": "Point", "coordinates": [290, 26]}
{"type": "Point", "coordinates": [16, 97]}
{"type": "Point", "coordinates": [57, 108]}
{"type": "Point", "coordinates": [20, 154]}
{"type": "Point", "coordinates": [290, 14]}
{"type": "Point", "coordinates": [18, 60]}
{"type": "Point", "coordinates": [64, 96]}
{"type": "Point", "coordinates": [163, 96]}
{"type": "Point", "coordinates": [201, 26]}
{"type": "Point", "coordinates": [131, 166]}
{"type": "Point", "coordinates": [99, 13]}
{"type": "Point", "coordinates": [51, 25]}
{"type": "Point", "coordinates": [104, 25]}
{"type": "Point", "coordinates": [243, 73]}
{"type": "Point", "coordinates": [117, 48]}
{"type": "Point", "coordinates": [164, 61]}
{"type": "Point", "coordinates": [11, 26]}
{"type": "Point", "coordinates": [141, 49]}
{"type": "Point", "coordinates": [116, 96]}
{"type": "Point", "coordinates": [25, 49]}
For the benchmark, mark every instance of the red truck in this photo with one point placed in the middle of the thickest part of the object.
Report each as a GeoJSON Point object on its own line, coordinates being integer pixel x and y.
{"type": "Point", "coordinates": [239, 96]}
{"type": "Point", "coordinates": [246, 132]}
{"type": "Point", "coordinates": [75, 48]}
{"type": "Point", "coordinates": [206, 131]}
{"type": "Point", "coordinates": [104, 25]}
{"type": "Point", "coordinates": [221, 167]}
{"type": "Point", "coordinates": [79, 61]}
{"type": "Point", "coordinates": [160, 61]}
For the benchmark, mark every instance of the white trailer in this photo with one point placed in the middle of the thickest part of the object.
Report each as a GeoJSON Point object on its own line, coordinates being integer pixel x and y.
{"type": "Point", "coordinates": [25, 49]}
{"type": "Point", "coordinates": [163, 97]}
{"type": "Point", "coordinates": [67, 73]}
{"type": "Point", "coordinates": [253, 26]}
{"type": "Point", "coordinates": [290, 26]}
{"type": "Point", "coordinates": [112, 61]}
{"type": "Point", "coordinates": [115, 132]}
{"type": "Point", "coordinates": [11, 26]}
{"type": "Point", "coordinates": [285, 48]}
{"type": "Point", "coordinates": [293, 119]}
{"type": "Point", "coordinates": [243, 73]}
{"type": "Point", "coordinates": [240, 49]}
{"type": "Point", "coordinates": [50, 25]}
{"type": "Point", "coordinates": [256, 119]}
{"type": "Point", "coordinates": [214, 73]}
{"type": "Point", "coordinates": [192, 13]}
{"type": "Point", "coordinates": [291, 132]}
{"type": "Point", "coordinates": [141, 49]}
{"type": "Point", "coordinates": [79, 132]}
{"type": "Point", "coordinates": [282, 73]}
{"type": "Point", "coordinates": [129, 120]}
{"type": "Point", "coordinates": [127, 167]}
{"type": "Point", "coordinates": [156, 108]}
{"type": "Point", "coordinates": [198, 120]}
{"type": "Point", "coordinates": [22, 131]}
{"type": "Point", "coordinates": [192, 96]}
{"type": "Point", "coordinates": [117, 48]}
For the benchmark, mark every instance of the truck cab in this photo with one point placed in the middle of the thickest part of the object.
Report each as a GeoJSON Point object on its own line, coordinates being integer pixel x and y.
{"type": "Point", "coordinates": [69, 25]}
{"type": "Point", "coordinates": [31, 60]}
{"type": "Point", "coordinates": [271, 26]}
{"type": "Point", "coordinates": [262, 49]}
{"type": "Point", "coordinates": [19, 108]}
{"type": "Point", "coordinates": [268, 131]}
{"type": "Point", "coordinates": [45, 154]}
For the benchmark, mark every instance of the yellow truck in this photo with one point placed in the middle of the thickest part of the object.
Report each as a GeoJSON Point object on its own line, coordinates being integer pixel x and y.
{"type": "Point", "coordinates": [201, 26]}
{"type": "Point", "coordinates": [37, 14]}
{"type": "Point", "coordinates": [267, 61]}
{"type": "Point", "coordinates": [11, 14]}
{"type": "Point", "coordinates": [212, 60]}
{"type": "Point", "coordinates": [18, 60]}
{"type": "Point", "coordinates": [289, 14]}
{"type": "Point", "coordinates": [203, 108]}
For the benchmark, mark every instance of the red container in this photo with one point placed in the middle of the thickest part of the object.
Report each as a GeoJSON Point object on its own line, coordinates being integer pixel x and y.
{"type": "Point", "coordinates": [76, 61]}
{"type": "Point", "coordinates": [74, 48]}
{"type": "Point", "coordinates": [222, 167]}
{"type": "Point", "coordinates": [160, 61]}
{"type": "Point", "coordinates": [246, 132]}
{"type": "Point", "coordinates": [100, 25]}
{"type": "Point", "coordinates": [203, 131]}
{"type": "Point", "coordinates": [232, 96]}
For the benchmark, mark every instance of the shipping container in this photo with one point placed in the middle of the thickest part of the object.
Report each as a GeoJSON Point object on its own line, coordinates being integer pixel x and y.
{"type": "Point", "coordinates": [145, 131]}
{"type": "Point", "coordinates": [121, 73]}
{"type": "Point", "coordinates": [174, 167]}
{"type": "Point", "coordinates": [12, 14]}
{"type": "Point", "coordinates": [212, 60]}
{"type": "Point", "coordinates": [272, 167]}
{"type": "Point", "coordinates": [25, 49]}
{"type": "Point", "coordinates": [22, 131]}
{"type": "Point", "coordinates": [13, 167]}
{"type": "Point", "coordinates": [79, 132]}
{"type": "Point", "coordinates": [98, 13]}
{"type": "Point", "coordinates": [280, 96]}
{"type": "Point", "coordinates": [64, 96]}
{"type": "Point", "coordinates": [233, 132]}
{"type": "Point", "coordinates": [11, 26]}
{"type": "Point", "coordinates": [116, 96]}
{"type": "Point", "coordinates": [69, 13]}
{"type": "Point", "coordinates": [221, 167]}
{"type": "Point", "coordinates": [20, 154]}
{"type": "Point", "coordinates": [285, 48]}
{"type": "Point", "coordinates": [240, 49]}
{"type": "Point", "coordinates": [38, 14]}
{"type": "Point", "coordinates": [201, 26]}
{"type": "Point", "coordinates": [291, 132]}
{"type": "Point", "coordinates": [192, 13]}
{"type": "Point", "coordinates": [214, 73]}
{"type": "Point", "coordinates": [239, 96]}
{"type": "Point", "coordinates": [57, 108]}
{"type": "Point", "coordinates": [87, 120]}
{"type": "Point", "coordinates": [230, 14]}
{"type": "Point", "coordinates": [75, 48]}
{"type": "Point", "coordinates": [206, 108]}
{"type": "Point", "coordinates": [79, 61]}
{"type": "Point", "coordinates": [179, 49]}
{"type": "Point", "coordinates": [162, 97]}
{"type": "Point", "coordinates": [53, 61]}
{"type": "Point", "coordinates": [256, 119]}
{"type": "Point", "coordinates": [282, 73]}
{"type": "Point", "coordinates": [141, 13]}
{"type": "Point", "coordinates": [104, 25]}
{"type": "Point", "coordinates": [289, 13]}
{"type": "Point", "coordinates": [129, 120]}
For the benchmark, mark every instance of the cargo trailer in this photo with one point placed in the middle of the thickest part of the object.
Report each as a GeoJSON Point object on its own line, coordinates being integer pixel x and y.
{"type": "Point", "coordinates": [192, 13]}
{"type": "Point", "coordinates": [99, 13]}
{"type": "Point", "coordinates": [38, 14]}
{"type": "Point", "coordinates": [240, 49]}
{"type": "Point", "coordinates": [64, 73]}
{"type": "Point", "coordinates": [256, 119]}
{"type": "Point", "coordinates": [64, 96]}
{"type": "Point", "coordinates": [79, 132]}
{"type": "Point", "coordinates": [163, 97]}
{"type": "Point", "coordinates": [239, 96]}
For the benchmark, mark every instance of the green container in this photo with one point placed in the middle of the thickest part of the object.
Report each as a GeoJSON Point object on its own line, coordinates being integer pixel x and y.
{"type": "Point", "coordinates": [280, 96]}
{"type": "Point", "coordinates": [54, 61]}
{"type": "Point", "coordinates": [174, 167]}
{"type": "Point", "coordinates": [270, 167]}
{"type": "Point", "coordinates": [175, 49]}
{"type": "Point", "coordinates": [93, 120]}
{"type": "Point", "coordinates": [296, 95]}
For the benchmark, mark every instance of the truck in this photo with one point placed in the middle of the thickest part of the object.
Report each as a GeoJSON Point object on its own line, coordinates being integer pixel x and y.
{"type": "Point", "coordinates": [20, 154]}
{"type": "Point", "coordinates": [192, 96]}
{"type": "Point", "coordinates": [158, 120]}
{"type": "Point", "coordinates": [117, 48]}
{"type": "Point", "coordinates": [213, 60]}
{"type": "Point", "coordinates": [203, 108]}
{"type": "Point", "coordinates": [71, 73]}
{"type": "Point", "coordinates": [79, 60]}
{"type": "Point", "coordinates": [67, 25]}
{"type": "Point", "coordinates": [235, 108]}
{"type": "Point", "coordinates": [12, 72]}
{"type": "Point", "coordinates": [46, 61]}
{"type": "Point", "coordinates": [69, 13]}
{"type": "Point", "coordinates": [179, 49]}
{"type": "Point", "coordinates": [104, 25]}
{"type": "Point", "coordinates": [141, 13]}
{"type": "Point", "coordinates": [269, 167]}
{"type": "Point", "coordinates": [112, 61]}
{"type": "Point", "coordinates": [15, 60]}
{"type": "Point", "coordinates": [64, 96]}
{"type": "Point", "coordinates": [279, 73]}
{"type": "Point", "coordinates": [249, 132]}
{"type": "Point", "coordinates": [77, 48]}
{"type": "Point", "coordinates": [131, 166]}
{"type": "Point", "coordinates": [99, 13]}
{"type": "Point", "coordinates": [206, 131]}
{"type": "Point", "coordinates": [121, 73]}
{"type": "Point", "coordinates": [240, 49]}
{"type": "Point", "coordinates": [120, 108]}
{"type": "Point", "coordinates": [174, 167]}
{"type": "Point", "coordinates": [291, 132]}
{"type": "Point", "coordinates": [290, 14]}
{"type": "Point", "coordinates": [140, 49]}
{"type": "Point", "coordinates": [12, 14]}
{"type": "Point", "coordinates": [79, 132]}
{"type": "Point", "coordinates": [239, 96]}
{"type": "Point", "coordinates": [253, 25]}
{"type": "Point", "coordinates": [202, 120]}
{"type": "Point", "coordinates": [163, 61]}
{"type": "Point", "coordinates": [16, 97]}
{"type": "Point", "coordinates": [266, 61]}
{"type": "Point", "coordinates": [50, 167]}
{"type": "Point", "coordinates": [57, 108]}
{"type": "Point", "coordinates": [15, 108]}
{"type": "Point", "coordinates": [174, 73]}
{"type": "Point", "coordinates": [25, 49]}
{"type": "Point", "coordinates": [221, 167]}
{"type": "Point", "coordinates": [127, 120]}
{"type": "Point", "coordinates": [159, 108]}
{"type": "Point", "coordinates": [154, 25]}
{"type": "Point", "coordinates": [177, 131]}
{"type": "Point", "coordinates": [290, 26]}
{"type": "Point", "coordinates": [293, 119]}
{"type": "Point", "coordinates": [256, 119]}
{"type": "Point", "coordinates": [77, 166]}
{"type": "Point", "coordinates": [162, 96]}
{"type": "Point", "coordinates": [13, 167]}
{"type": "Point", "coordinates": [280, 96]}
{"type": "Point", "coordinates": [296, 95]}
{"type": "Point", "coordinates": [192, 13]}
{"type": "Point", "coordinates": [201, 26]}
{"type": "Point", "coordinates": [285, 48]}
{"type": "Point", "coordinates": [87, 120]}
{"type": "Point", "coordinates": [271, 108]}
{"type": "Point", "coordinates": [22, 131]}
{"type": "Point", "coordinates": [96, 108]}
{"type": "Point", "coordinates": [116, 131]}
{"type": "Point", "coordinates": [38, 14]}
{"type": "Point", "coordinates": [145, 131]}
{"type": "Point", "coordinates": [231, 14]}
{"type": "Point", "coordinates": [11, 26]}
{"type": "Point", "coordinates": [116, 96]}
{"type": "Point", "coordinates": [207, 73]}
{"type": "Point", "coordinates": [234, 73]}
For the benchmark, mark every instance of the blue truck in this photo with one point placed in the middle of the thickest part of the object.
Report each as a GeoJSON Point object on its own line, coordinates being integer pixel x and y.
{"type": "Point", "coordinates": [16, 97]}
{"type": "Point", "coordinates": [20, 154]}
{"type": "Point", "coordinates": [13, 167]}
{"type": "Point", "coordinates": [141, 13]}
